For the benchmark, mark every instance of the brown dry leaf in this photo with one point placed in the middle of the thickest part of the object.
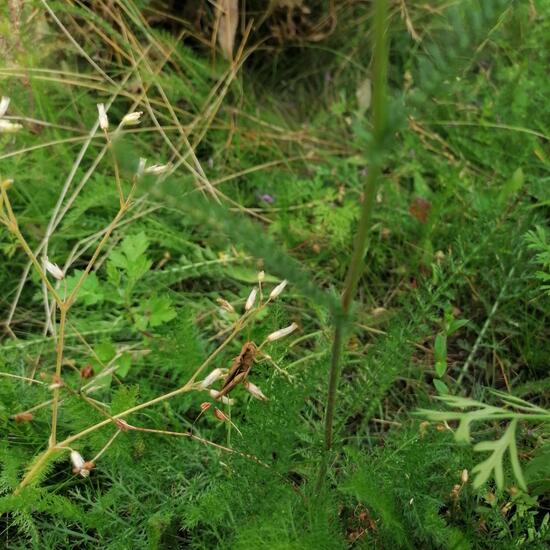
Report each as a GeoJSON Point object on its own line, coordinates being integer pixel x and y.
{"type": "Point", "coordinates": [229, 19]}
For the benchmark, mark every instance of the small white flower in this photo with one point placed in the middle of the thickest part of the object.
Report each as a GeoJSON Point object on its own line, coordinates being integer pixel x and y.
{"type": "Point", "coordinates": [215, 394]}
{"type": "Point", "coordinates": [277, 290]}
{"type": "Point", "coordinates": [77, 461]}
{"type": "Point", "coordinates": [281, 333]}
{"type": "Point", "coordinates": [103, 120]}
{"type": "Point", "coordinates": [254, 391]}
{"type": "Point", "coordinates": [54, 270]}
{"type": "Point", "coordinates": [131, 119]}
{"type": "Point", "coordinates": [216, 374]}
{"type": "Point", "coordinates": [251, 299]}
{"type": "Point", "coordinates": [261, 276]}
{"type": "Point", "coordinates": [7, 127]}
{"type": "Point", "coordinates": [4, 102]}
{"type": "Point", "coordinates": [158, 169]}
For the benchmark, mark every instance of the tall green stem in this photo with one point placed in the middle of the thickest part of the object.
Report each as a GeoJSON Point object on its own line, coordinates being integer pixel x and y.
{"type": "Point", "coordinates": [355, 268]}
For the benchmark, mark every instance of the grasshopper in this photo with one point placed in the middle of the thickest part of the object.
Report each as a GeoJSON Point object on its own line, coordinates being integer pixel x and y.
{"type": "Point", "coordinates": [240, 368]}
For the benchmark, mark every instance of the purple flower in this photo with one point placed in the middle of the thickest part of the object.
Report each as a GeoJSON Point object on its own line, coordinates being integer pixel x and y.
{"type": "Point", "coordinates": [267, 198]}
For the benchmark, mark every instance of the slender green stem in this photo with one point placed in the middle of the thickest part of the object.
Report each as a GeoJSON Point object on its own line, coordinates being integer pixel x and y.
{"type": "Point", "coordinates": [57, 377]}
{"type": "Point", "coordinates": [355, 269]}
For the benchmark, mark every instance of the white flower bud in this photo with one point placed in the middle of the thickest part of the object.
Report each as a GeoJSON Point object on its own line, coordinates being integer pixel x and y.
{"type": "Point", "coordinates": [77, 461]}
{"type": "Point", "coordinates": [278, 289]}
{"type": "Point", "coordinates": [464, 476]}
{"type": "Point", "coordinates": [261, 276]}
{"type": "Point", "coordinates": [281, 333]}
{"type": "Point", "coordinates": [158, 169]}
{"type": "Point", "coordinates": [4, 105]}
{"type": "Point", "coordinates": [7, 127]}
{"type": "Point", "coordinates": [215, 394]}
{"type": "Point", "coordinates": [254, 391]}
{"type": "Point", "coordinates": [216, 374]}
{"type": "Point", "coordinates": [141, 167]}
{"type": "Point", "coordinates": [103, 120]}
{"type": "Point", "coordinates": [54, 270]}
{"type": "Point", "coordinates": [131, 119]}
{"type": "Point", "coordinates": [251, 299]}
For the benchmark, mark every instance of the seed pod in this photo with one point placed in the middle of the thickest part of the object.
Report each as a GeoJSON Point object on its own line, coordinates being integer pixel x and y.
{"type": "Point", "coordinates": [281, 333]}
{"type": "Point", "coordinates": [224, 304]}
{"type": "Point", "coordinates": [4, 103]}
{"type": "Point", "coordinates": [53, 269]}
{"type": "Point", "coordinates": [23, 417]}
{"type": "Point", "coordinates": [220, 415]}
{"type": "Point", "coordinates": [254, 390]}
{"type": "Point", "coordinates": [216, 374]}
{"type": "Point", "coordinates": [131, 119]}
{"type": "Point", "coordinates": [251, 299]}
{"type": "Point", "coordinates": [77, 461]}
{"type": "Point", "coordinates": [103, 120]}
{"type": "Point", "coordinates": [277, 290]}
{"type": "Point", "coordinates": [87, 371]}
{"type": "Point", "coordinates": [215, 394]}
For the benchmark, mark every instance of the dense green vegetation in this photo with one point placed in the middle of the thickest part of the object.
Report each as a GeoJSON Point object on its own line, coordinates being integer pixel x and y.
{"type": "Point", "coordinates": [260, 170]}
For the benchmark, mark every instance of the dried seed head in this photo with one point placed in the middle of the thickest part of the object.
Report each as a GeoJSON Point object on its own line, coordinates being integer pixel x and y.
{"type": "Point", "coordinates": [281, 333]}
{"type": "Point", "coordinates": [224, 304]}
{"type": "Point", "coordinates": [251, 299]}
{"type": "Point", "coordinates": [87, 371]}
{"type": "Point", "coordinates": [23, 417]}
{"type": "Point", "coordinates": [254, 391]}
{"type": "Point", "coordinates": [77, 461]}
{"type": "Point", "coordinates": [131, 119]}
{"type": "Point", "coordinates": [103, 120]}
{"type": "Point", "coordinates": [4, 103]}
{"type": "Point", "coordinates": [216, 374]}
{"type": "Point", "coordinates": [278, 289]}
{"type": "Point", "coordinates": [220, 415]}
{"type": "Point", "coordinates": [261, 276]}
{"type": "Point", "coordinates": [7, 127]}
{"type": "Point", "coordinates": [215, 394]}
{"type": "Point", "coordinates": [54, 270]}
{"type": "Point", "coordinates": [158, 169]}
{"type": "Point", "coordinates": [464, 476]}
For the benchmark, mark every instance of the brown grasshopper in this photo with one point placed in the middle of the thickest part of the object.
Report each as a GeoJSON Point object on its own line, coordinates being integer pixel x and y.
{"type": "Point", "coordinates": [239, 369]}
